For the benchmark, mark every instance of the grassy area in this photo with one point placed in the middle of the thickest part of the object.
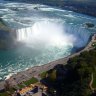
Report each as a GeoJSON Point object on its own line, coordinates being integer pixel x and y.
{"type": "Point", "coordinates": [43, 74]}
{"type": "Point", "coordinates": [20, 86]}
{"type": "Point", "coordinates": [7, 93]}
{"type": "Point", "coordinates": [31, 81]}
{"type": "Point", "coordinates": [4, 94]}
{"type": "Point", "coordinates": [94, 81]}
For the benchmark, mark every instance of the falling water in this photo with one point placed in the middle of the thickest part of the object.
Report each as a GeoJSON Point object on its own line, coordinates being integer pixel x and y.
{"type": "Point", "coordinates": [48, 33]}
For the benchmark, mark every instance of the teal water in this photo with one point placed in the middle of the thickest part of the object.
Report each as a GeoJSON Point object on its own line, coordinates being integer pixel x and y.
{"type": "Point", "coordinates": [44, 35]}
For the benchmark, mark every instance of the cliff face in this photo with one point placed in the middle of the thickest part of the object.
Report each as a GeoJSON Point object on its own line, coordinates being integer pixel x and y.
{"type": "Point", "coordinates": [7, 36]}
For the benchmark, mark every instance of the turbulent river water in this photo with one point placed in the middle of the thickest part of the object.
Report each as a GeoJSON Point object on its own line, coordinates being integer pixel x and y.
{"type": "Point", "coordinates": [44, 34]}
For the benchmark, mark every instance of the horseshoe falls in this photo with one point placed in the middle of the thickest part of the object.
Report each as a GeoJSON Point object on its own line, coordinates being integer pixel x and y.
{"type": "Point", "coordinates": [49, 33]}
{"type": "Point", "coordinates": [43, 34]}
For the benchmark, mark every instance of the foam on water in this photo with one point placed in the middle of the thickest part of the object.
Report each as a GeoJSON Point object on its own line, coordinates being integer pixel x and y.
{"type": "Point", "coordinates": [8, 76]}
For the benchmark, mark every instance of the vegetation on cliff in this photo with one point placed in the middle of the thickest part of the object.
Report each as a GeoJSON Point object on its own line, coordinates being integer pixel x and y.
{"type": "Point", "coordinates": [75, 78]}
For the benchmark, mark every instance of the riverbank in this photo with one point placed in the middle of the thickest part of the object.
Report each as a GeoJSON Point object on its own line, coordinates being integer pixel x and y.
{"type": "Point", "coordinates": [35, 71]}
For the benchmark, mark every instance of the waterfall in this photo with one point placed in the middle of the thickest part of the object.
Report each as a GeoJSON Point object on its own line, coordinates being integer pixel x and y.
{"type": "Point", "coordinates": [49, 33]}
{"type": "Point", "coordinates": [24, 34]}
{"type": "Point", "coordinates": [81, 35]}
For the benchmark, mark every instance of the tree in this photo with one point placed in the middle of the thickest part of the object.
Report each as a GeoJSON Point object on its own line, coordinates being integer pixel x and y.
{"type": "Point", "coordinates": [52, 75]}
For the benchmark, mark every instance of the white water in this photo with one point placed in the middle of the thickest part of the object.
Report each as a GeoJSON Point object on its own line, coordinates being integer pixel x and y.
{"type": "Point", "coordinates": [80, 34]}
{"type": "Point", "coordinates": [44, 34]}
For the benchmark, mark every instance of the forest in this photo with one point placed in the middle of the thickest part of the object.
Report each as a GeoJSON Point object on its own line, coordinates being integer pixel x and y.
{"type": "Point", "coordinates": [76, 78]}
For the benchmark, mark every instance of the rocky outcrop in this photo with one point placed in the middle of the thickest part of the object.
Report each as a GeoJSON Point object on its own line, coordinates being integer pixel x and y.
{"type": "Point", "coordinates": [89, 25]}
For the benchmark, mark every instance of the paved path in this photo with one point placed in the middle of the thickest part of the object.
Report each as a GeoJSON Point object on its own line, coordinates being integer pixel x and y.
{"type": "Point", "coordinates": [91, 82]}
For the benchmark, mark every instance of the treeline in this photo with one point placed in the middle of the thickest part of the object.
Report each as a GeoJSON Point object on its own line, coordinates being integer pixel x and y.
{"type": "Point", "coordinates": [73, 79]}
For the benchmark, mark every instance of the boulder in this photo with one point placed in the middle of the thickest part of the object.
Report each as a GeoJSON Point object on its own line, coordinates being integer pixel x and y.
{"type": "Point", "coordinates": [89, 25]}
